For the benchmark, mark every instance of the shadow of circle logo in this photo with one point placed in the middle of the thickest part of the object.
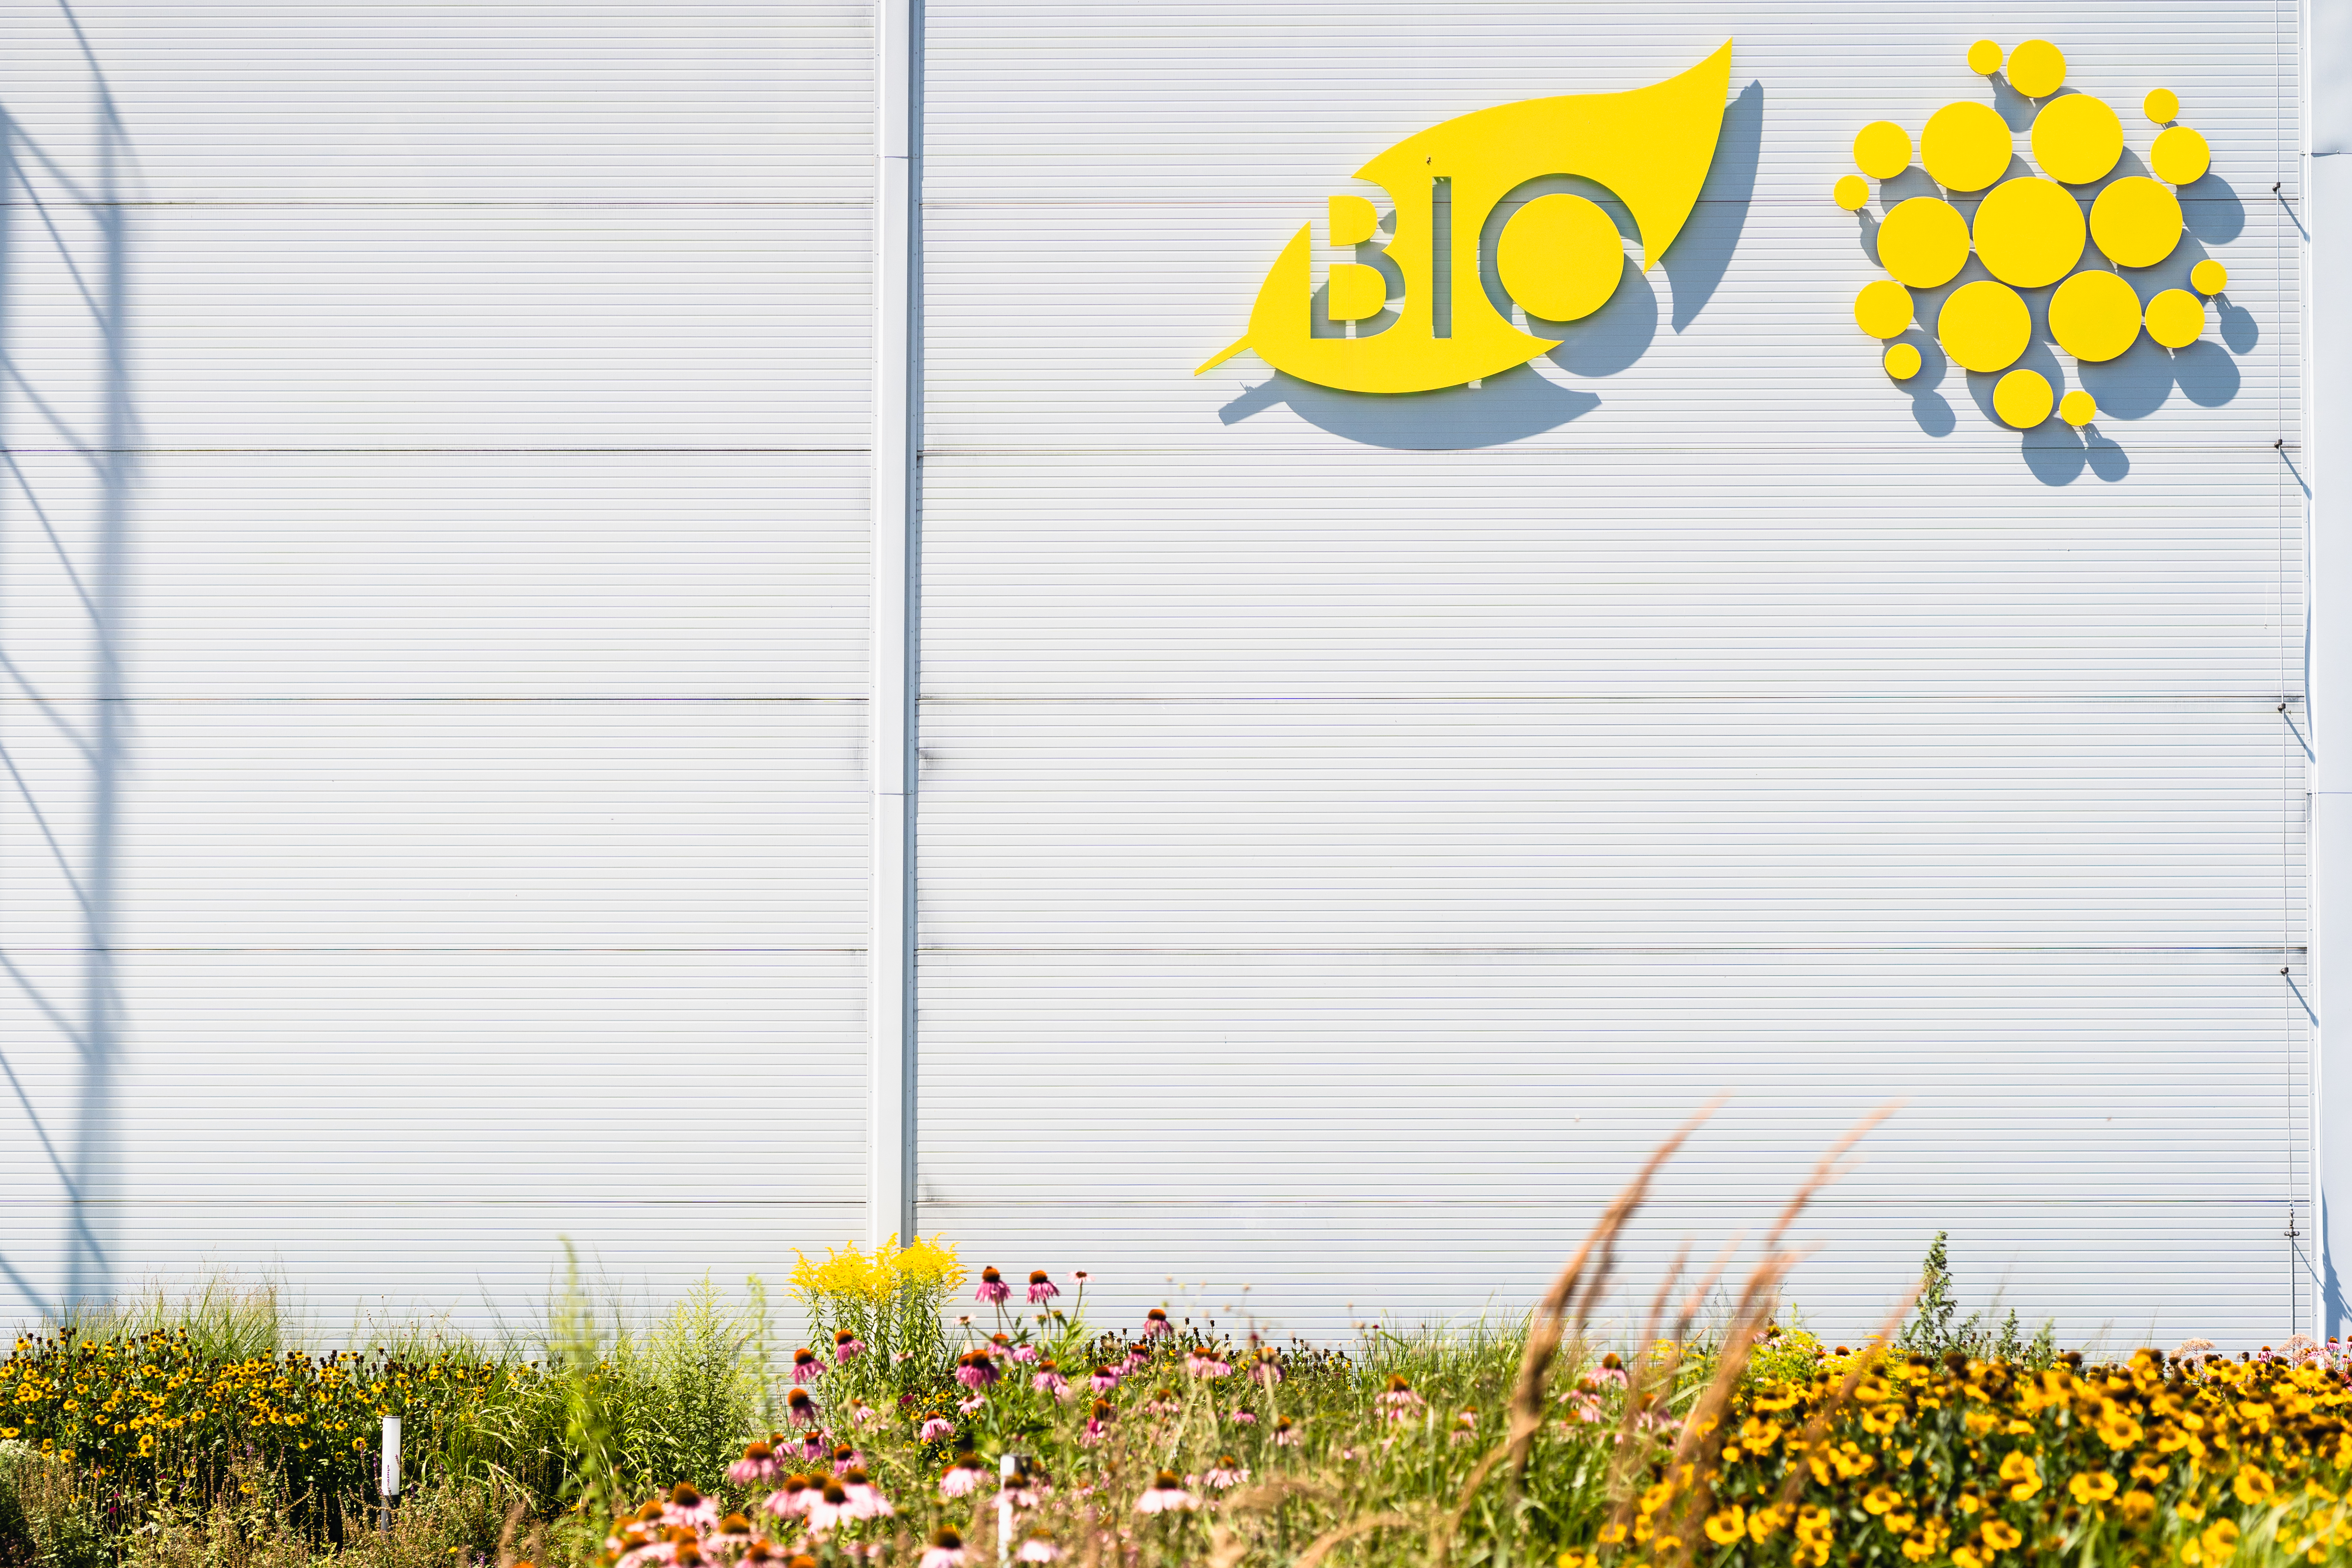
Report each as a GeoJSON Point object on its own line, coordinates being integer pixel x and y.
{"type": "Point", "coordinates": [1505, 240]}
{"type": "Point", "coordinates": [1998, 267]}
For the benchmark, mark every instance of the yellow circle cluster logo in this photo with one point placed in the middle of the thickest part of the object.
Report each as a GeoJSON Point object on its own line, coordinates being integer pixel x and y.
{"type": "Point", "coordinates": [2030, 232]}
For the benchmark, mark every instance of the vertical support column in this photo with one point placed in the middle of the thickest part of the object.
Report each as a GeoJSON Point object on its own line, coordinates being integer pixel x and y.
{"type": "Point", "coordinates": [890, 752]}
{"type": "Point", "coordinates": [2326, 459]}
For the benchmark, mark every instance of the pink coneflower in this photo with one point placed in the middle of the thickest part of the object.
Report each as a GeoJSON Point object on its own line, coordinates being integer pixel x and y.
{"type": "Point", "coordinates": [935, 1426]}
{"type": "Point", "coordinates": [1610, 1370]}
{"type": "Point", "coordinates": [1465, 1427]}
{"type": "Point", "coordinates": [1024, 1355]}
{"type": "Point", "coordinates": [1041, 1289]}
{"type": "Point", "coordinates": [966, 1406]}
{"type": "Point", "coordinates": [1225, 1474]}
{"type": "Point", "coordinates": [864, 1414]}
{"type": "Point", "coordinates": [1162, 1402]}
{"type": "Point", "coordinates": [975, 1369]}
{"type": "Point", "coordinates": [758, 1464]}
{"type": "Point", "coordinates": [946, 1551]}
{"type": "Point", "coordinates": [1265, 1368]}
{"type": "Point", "coordinates": [846, 1458]}
{"type": "Point", "coordinates": [1138, 1358]}
{"type": "Point", "coordinates": [1400, 1402]}
{"type": "Point", "coordinates": [831, 1508]}
{"type": "Point", "coordinates": [846, 1348]}
{"type": "Point", "coordinates": [801, 1407]}
{"type": "Point", "coordinates": [1204, 1361]}
{"type": "Point", "coordinates": [1049, 1379]}
{"type": "Point", "coordinates": [1156, 1323]}
{"type": "Point", "coordinates": [1242, 1417]}
{"type": "Point", "coordinates": [814, 1443]}
{"type": "Point", "coordinates": [688, 1508]}
{"type": "Point", "coordinates": [806, 1367]}
{"type": "Point", "coordinates": [1102, 1380]}
{"type": "Point", "coordinates": [865, 1498]}
{"type": "Point", "coordinates": [961, 1479]}
{"type": "Point", "coordinates": [1166, 1495]}
{"type": "Point", "coordinates": [1038, 1549]}
{"type": "Point", "coordinates": [1584, 1408]}
{"type": "Point", "coordinates": [1285, 1436]}
{"type": "Point", "coordinates": [791, 1499]}
{"type": "Point", "coordinates": [992, 1289]}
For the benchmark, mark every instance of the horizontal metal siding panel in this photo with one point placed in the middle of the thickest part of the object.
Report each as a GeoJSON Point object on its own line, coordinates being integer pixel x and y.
{"type": "Point", "coordinates": [486, 327]}
{"type": "Point", "coordinates": [351, 1271]}
{"type": "Point", "coordinates": [1366, 574]}
{"type": "Point", "coordinates": [465, 574]}
{"type": "Point", "coordinates": [488, 100]}
{"type": "Point", "coordinates": [494, 1076]}
{"type": "Point", "coordinates": [1047, 100]}
{"type": "Point", "coordinates": [1078, 326]}
{"type": "Point", "coordinates": [1621, 824]}
{"type": "Point", "coordinates": [2113, 1276]}
{"type": "Point", "coordinates": [594, 825]}
{"type": "Point", "coordinates": [1464, 1077]}
{"type": "Point", "coordinates": [416, 1131]}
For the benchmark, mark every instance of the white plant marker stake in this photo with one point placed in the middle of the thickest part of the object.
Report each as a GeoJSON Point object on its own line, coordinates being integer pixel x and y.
{"type": "Point", "coordinates": [388, 1477]}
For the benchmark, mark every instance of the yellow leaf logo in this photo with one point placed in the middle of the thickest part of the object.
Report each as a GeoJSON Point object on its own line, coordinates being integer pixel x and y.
{"type": "Point", "coordinates": [1559, 257]}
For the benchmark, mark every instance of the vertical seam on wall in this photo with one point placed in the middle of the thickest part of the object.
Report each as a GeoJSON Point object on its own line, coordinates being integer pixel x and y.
{"type": "Point", "coordinates": [890, 727]}
{"type": "Point", "coordinates": [910, 760]}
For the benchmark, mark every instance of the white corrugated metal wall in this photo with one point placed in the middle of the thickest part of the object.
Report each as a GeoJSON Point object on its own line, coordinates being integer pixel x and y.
{"type": "Point", "coordinates": [1350, 833]}
{"type": "Point", "coordinates": [1341, 859]}
{"type": "Point", "coordinates": [495, 648]}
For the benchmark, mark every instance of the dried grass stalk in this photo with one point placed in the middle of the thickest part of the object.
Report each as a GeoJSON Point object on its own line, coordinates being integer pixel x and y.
{"type": "Point", "coordinates": [1552, 1321]}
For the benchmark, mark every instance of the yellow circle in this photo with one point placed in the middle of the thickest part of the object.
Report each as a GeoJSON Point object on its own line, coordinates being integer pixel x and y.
{"type": "Point", "coordinates": [2180, 155]}
{"type": "Point", "coordinates": [1984, 56]}
{"type": "Point", "coordinates": [1560, 257]}
{"type": "Point", "coordinates": [2036, 69]}
{"type": "Point", "coordinates": [2136, 221]}
{"type": "Point", "coordinates": [2162, 106]}
{"type": "Point", "coordinates": [1882, 148]}
{"type": "Point", "coordinates": [2029, 232]}
{"type": "Point", "coordinates": [2077, 139]}
{"type": "Point", "coordinates": [1883, 308]}
{"type": "Point", "coordinates": [1966, 146]}
{"type": "Point", "coordinates": [2209, 277]}
{"type": "Point", "coordinates": [1902, 362]}
{"type": "Point", "coordinates": [2078, 408]}
{"type": "Point", "coordinates": [1923, 242]}
{"type": "Point", "coordinates": [1985, 326]}
{"type": "Point", "coordinates": [2176, 318]}
{"type": "Point", "coordinates": [1852, 193]}
{"type": "Point", "coordinates": [2022, 399]}
{"type": "Point", "coordinates": [2095, 316]}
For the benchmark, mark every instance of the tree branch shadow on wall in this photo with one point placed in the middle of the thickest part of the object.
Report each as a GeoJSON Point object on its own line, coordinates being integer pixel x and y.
{"type": "Point", "coordinates": [65, 518]}
{"type": "Point", "coordinates": [1521, 402]}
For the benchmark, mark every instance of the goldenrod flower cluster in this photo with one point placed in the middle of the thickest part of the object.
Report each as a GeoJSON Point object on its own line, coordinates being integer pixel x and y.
{"type": "Point", "coordinates": [1976, 1463]}
{"type": "Point", "coordinates": [929, 1269]}
{"type": "Point", "coordinates": [156, 1414]}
